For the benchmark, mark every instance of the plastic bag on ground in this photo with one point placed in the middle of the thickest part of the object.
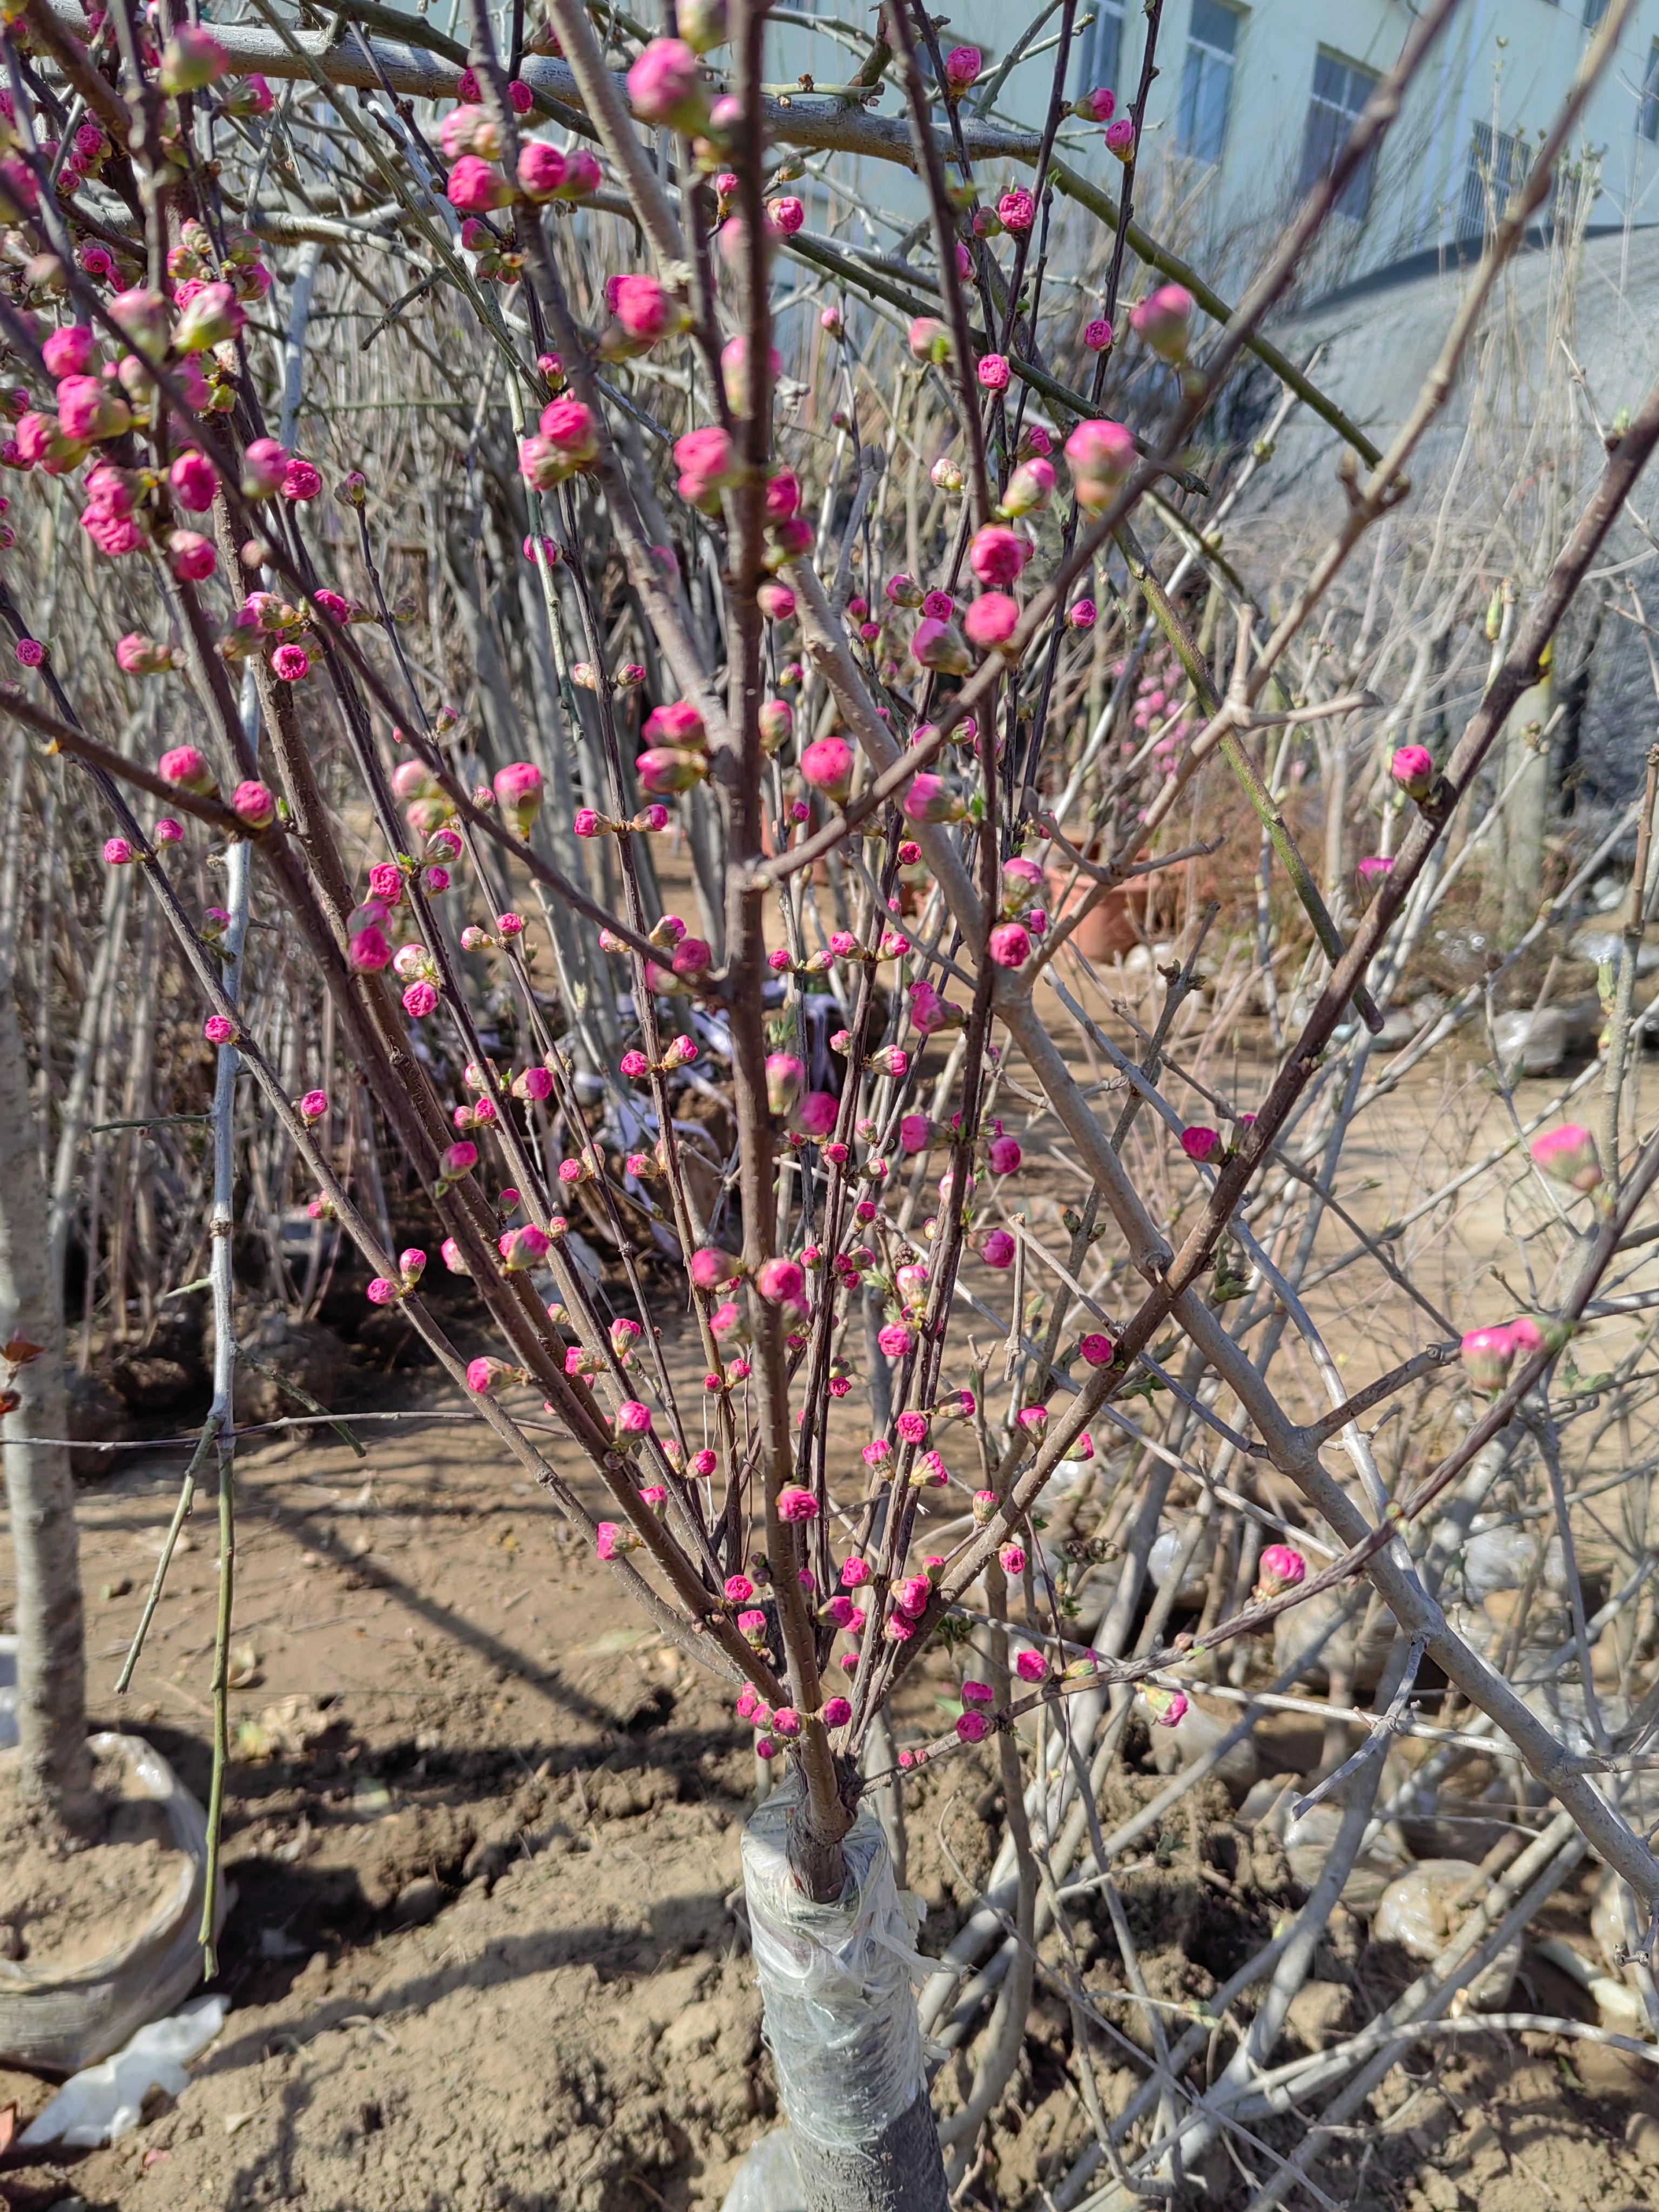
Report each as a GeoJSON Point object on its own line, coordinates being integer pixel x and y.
{"type": "Point", "coordinates": [105, 2102]}
{"type": "Point", "coordinates": [767, 2181]}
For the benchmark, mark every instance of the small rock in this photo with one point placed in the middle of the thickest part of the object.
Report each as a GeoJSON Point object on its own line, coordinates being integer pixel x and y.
{"type": "Point", "coordinates": [1440, 2189]}
{"type": "Point", "coordinates": [1318, 2012]}
{"type": "Point", "coordinates": [1642, 2137]}
{"type": "Point", "coordinates": [418, 1901]}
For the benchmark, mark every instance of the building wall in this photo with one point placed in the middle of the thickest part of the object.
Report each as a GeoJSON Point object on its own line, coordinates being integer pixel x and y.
{"type": "Point", "coordinates": [1501, 70]}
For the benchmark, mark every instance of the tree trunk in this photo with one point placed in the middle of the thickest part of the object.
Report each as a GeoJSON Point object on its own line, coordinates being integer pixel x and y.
{"type": "Point", "coordinates": [841, 2021]}
{"type": "Point", "coordinates": [55, 1773]}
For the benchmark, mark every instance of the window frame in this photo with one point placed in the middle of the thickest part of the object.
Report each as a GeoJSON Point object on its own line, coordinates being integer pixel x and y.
{"type": "Point", "coordinates": [1359, 185]}
{"type": "Point", "coordinates": [1202, 61]}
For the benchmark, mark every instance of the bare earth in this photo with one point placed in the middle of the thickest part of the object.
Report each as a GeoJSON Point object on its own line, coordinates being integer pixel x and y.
{"type": "Point", "coordinates": [93, 1900]}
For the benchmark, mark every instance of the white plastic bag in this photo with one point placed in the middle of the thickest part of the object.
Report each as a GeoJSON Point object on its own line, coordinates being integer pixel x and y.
{"type": "Point", "coordinates": [767, 2180]}
{"type": "Point", "coordinates": [105, 2102]}
{"type": "Point", "coordinates": [836, 1982]}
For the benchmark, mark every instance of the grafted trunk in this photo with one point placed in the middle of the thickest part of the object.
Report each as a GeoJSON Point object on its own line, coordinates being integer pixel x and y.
{"type": "Point", "coordinates": [838, 1984]}
{"type": "Point", "coordinates": [55, 1769]}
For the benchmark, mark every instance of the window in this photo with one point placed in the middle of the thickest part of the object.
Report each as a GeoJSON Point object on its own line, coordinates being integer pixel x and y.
{"type": "Point", "coordinates": [1206, 82]}
{"type": "Point", "coordinates": [1340, 90]}
{"type": "Point", "coordinates": [1647, 105]}
{"type": "Point", "coordinates": [1103, 53]}
{"type": "Point", "coordinates": [1498, 166]}
{"type": "Point", "coordinates": [1594, 12]}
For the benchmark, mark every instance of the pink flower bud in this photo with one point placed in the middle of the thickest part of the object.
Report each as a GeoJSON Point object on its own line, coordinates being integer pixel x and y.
{"type": "Point", "coordinates": [1488, 1355]}
{"type": "Point", "coordinates": [219, 1029]}
{"type": "Point", "coordinates": [1568, 1155]}
{"type": "Point", "coordinates": [1098, 1350]}
{"type": "Point", "coordinates": [666, 85]}
{"type": "Point", "coordinates": [780, 1282]}
{"type": "Point", "coordinates": [1121, 139]}
{"type": "Point", "coordinates": [1168, 1708]}
{"type": "Point", "coordinates": [826, 765]}
{"type": "Point", "coordinates": [1200, 1144]}
{"type": "Point", "coordinates": [117, 852]}
{"type": "Point", "coordinates": [961, 67]}
{"type": "Point", "coordinates": [998, 1250]}
{"type": "Point", "coordinates": [1412, 769]}
{"type": "Point", "coordinates": [854, 1572]}
{"type": "Point", "coordinates": [1016, 210]}
{"type": "Point", "coordinates": [1009, 946]}
{"type": "Point", "coordinates": [836, 1712]}
{"type": "Point", "coordinates": [253, 805]}
{"type": "Point", "coordinates": [1032, 1667]}
{"type": "Point", "coordinates": [291, 663]}
{"type": "Point", "coordinates": [797, 1504]}
{"type": "Point", "coordinates": [1098, 106]}
{"type": "Point", "coordinates": [1005, 1155]}
{"type": "Point", "coordinates": [1101, 455]}
{"type": "Point", "coordinates": [993, 372]}
{"type": "Point", "coordinates": [1281, 1569]}
{"type": "Point", "coordinates": [996, 554]}
{"type": "Point", "coordinates": [458, 1159]}
{"type": "Point", "coordinates": [633, 1419]}
{"type": "Point", "coordinates": [1164, 320]}
{"type": "Point", "coordinates": [518, 789]}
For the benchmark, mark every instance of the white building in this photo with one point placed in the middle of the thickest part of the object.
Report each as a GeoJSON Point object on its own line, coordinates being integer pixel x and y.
{"type": "Point", "coordinates": [1250, 101]}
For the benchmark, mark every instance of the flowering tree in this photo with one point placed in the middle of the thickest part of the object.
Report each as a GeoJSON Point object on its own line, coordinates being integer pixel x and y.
{"type": "Point", "coordinates": [968, 755]}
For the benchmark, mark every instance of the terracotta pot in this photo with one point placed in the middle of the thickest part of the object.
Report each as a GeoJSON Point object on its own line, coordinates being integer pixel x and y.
{"type": "Point", "coordinates": [1119, 921]}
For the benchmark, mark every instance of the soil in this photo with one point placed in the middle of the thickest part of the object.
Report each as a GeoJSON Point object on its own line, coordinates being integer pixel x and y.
{"type": "Point", "coordinates": [487, 1952]}
{"type": "Point", "coordinates": [61, 1908]}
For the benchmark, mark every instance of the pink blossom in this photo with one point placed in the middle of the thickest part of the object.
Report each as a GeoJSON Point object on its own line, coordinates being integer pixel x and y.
{"type": "Point", "coordinates": [542, 169]}
{"type": "Point", "coordinates": [292, 662]}
{"type": "Point", "coordinates": [265, 463]}
{"type": "Point", "coordinates": [194, 480]}
{"type": "Point", "coordinates": [1101, 455]}
{"type": "Point", "coordinates": [420, 1000]}
{"type": "Point", "coordinates": [826, 765]}
{"type": "Point", "coordinates": [1412, 769]}
{"type": "Point", "coordinates": [1488, 1355]}
{"type": "Point", "coordinates": [117, 852]}
{"type": "Point", "coordinates": [993, 372]}
{"type": "Point", "coordinates": [219, 1029]}
{"type": "Point", "coordinates": [836, 1712]}
{"type": "Point", "coordinates": [998, 1250]}
{"type": "Point", "coordinates": [797, 1504]}
{"type": "Point", "coordinates": [1032, 1667]}
{"type": "Point", "coordinates": [1164, 321]}
{"type": "Point", "coordinates": [67, 351]}
{"type": "Point", "coordinates": [186, 770]}
{"type": "Point", "coordinates": [665, 85]}
{"type": "Point", "coordinates": [896, 1340]}
{"type": "Point", "coordinates": [1009, 945]}
{"type": "Point", "coordinates": [1082, 614]}
{"type": "Point", "coordinates": [915, 1133]}
{"type": "Point", "coordinates": [961, 67]}
{"type": "Point", "coordinates": [1098, 335]}
{"type": "Point", "coordinates": [1568, 1155]}
{"type": "Point", "coordinates": [1016, 210]}
{"type": "Point", "coordinates": [708, 463]}
{"type": "Point", "coordinates": [253, 805]}
{"type": "Point", "coordinates": [518, 789]}
{"type": "Point", "coordinates": [1121, 139]}
{"type": "Point", "coordinates": [1200, 1144]}
{"type": "Point", "coordinates": [780, 1282]}
{"type": "Point", "coordinates": [301, 480]}
{"type": "Point", "coordinates": [816, 1114]}
{"type": "Point", "coordinates": [313, 1106]}
{"type": "Point", "coordinates": [1281, 1569]}
{"type": "Point", "coordinates": [368, 951]}
{"type": "Point", "coordinates": [854, 1572]}
{"type": "Point", "coordinates": [1005, 1155]}
{"type": "Point", "coordinates": [991, 620]}
{"type": "Point", "coordinates": [1011, 1557]}
{"type": "Point", "coordinates": [1097, 1351]}
{"type": "Point", "coordinates": [996, 554]}
{"type": "Point", "coordinates": [710, 1267]}
{"type": "Point", "coordinates": [1098, 106]}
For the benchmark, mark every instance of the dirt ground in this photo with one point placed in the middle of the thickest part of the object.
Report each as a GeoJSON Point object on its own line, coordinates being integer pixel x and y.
{"type": "Point", "coordinates": [486, 1953]}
